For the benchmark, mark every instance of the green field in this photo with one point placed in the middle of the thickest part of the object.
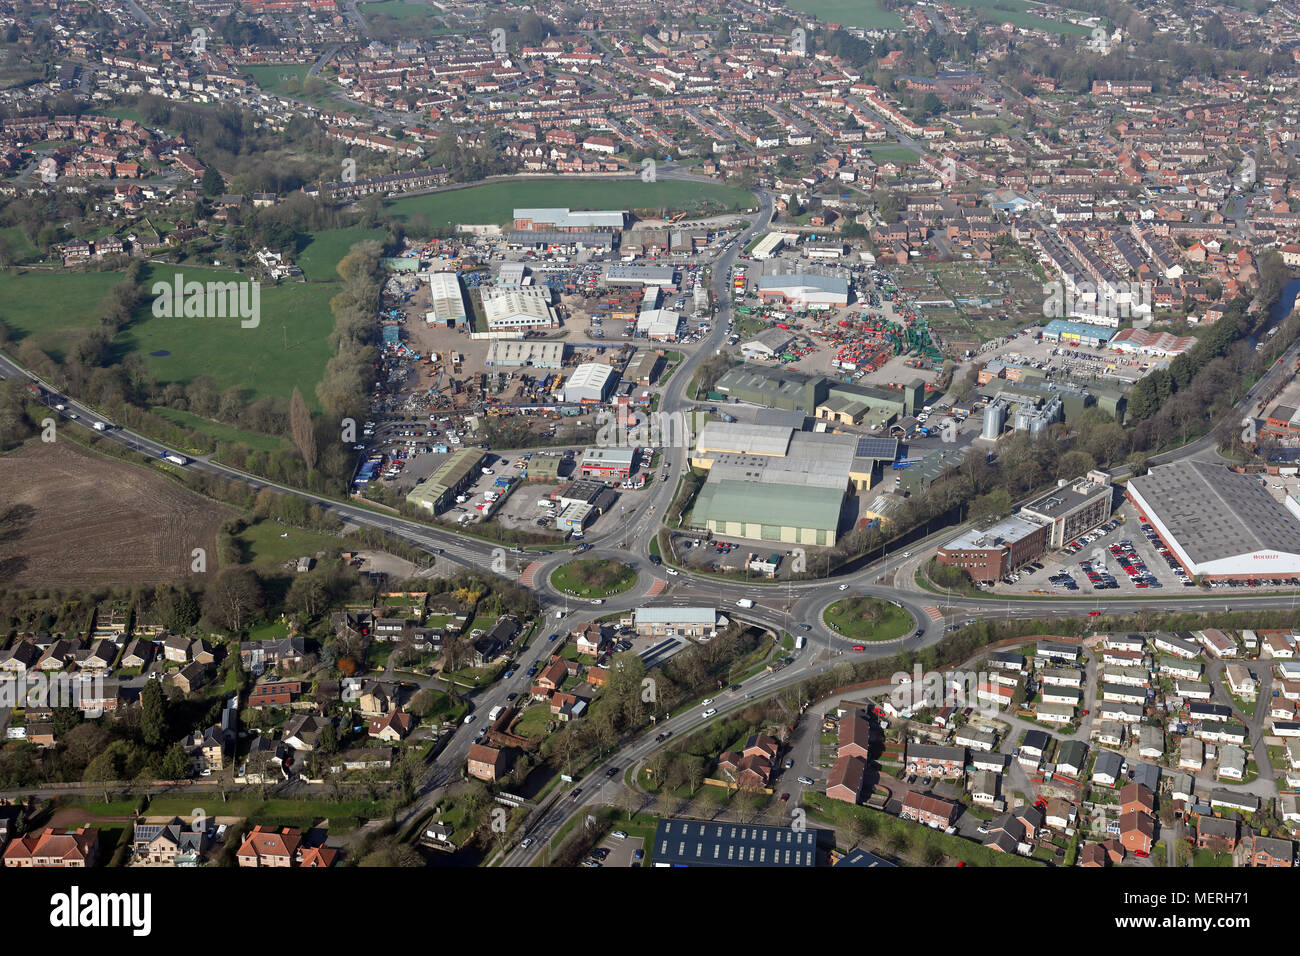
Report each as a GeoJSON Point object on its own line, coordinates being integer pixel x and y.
{"type": "Point", "coordinates": [1021, 14]}
{"type": "Point", "coordinates": [848, 618]}
{"type": "Point", "coordinates": [264, 546]}
{"type": "Point", "coordinates": [25, 300]}
{"type": "Point", "coordinates": [851, 13]}
{"type": "Point", "coordinates": [219, 431]}
{"type": "Point", "coordinates": [288, 348]}
{"type": "Point", "coordinates": [494, 203]}
{"type": "Point", "coordinates": [399, 10]}
{"type": "Point", "coordinates": [324, 250]}
{"type": "Point", "coordinates": [286, 79]}
{"type": "Point", "coordinates": [894, 154]}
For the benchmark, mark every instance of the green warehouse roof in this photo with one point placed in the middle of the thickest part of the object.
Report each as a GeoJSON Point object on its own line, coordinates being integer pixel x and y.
{"type": "Point", "coordinates": [788, 506]}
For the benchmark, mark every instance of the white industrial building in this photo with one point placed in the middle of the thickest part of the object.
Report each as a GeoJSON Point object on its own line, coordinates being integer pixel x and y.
{"type": "Point", "coordinates": [590, 382]}
{"type": "Point", "coordinates": [1218, 523]}
{"type": "Point", "coordinates": [446, 300]}
{"type": "Point", "coordinates": [518, 309]}
{"type": "Point", "coordinates": [805, 290]}
{"type": "Point", "coordinates": [659, 325]}
{"type": "Point", "coordinates": [771, 244]}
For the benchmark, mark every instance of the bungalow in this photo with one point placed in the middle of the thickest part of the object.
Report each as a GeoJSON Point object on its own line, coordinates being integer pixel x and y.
{"type": "Point", "coordinates": [1054, 651]}
{"type": "Point", "coordinates": [1240, 681]}
{"type": "Point", "coordinates": [1278, 645]}
{"type": "Point", "coordinates": [1111, 733]}
{"type": "Point", "coordinates": [1217, 643]}
{"type": "Point", "coordinates": [1127, 676]}
{"type": "Point", "coordinates": [138, 654]}
{"type": "Point", "coordinates": [1193, 690]}
{"type": "Point", "coordinates": [1054, 713]}
{"type": "Point", "coordinates": [990, 761]}
{"type": "Point", "coordinates": [1063, 677]}
{"type": "Point", "coordinates": [1232, 762]}
{"type": "Point", "coordinates": [1229, 733]}
{"type": "Point", "coordinates": [1230, 800]}
{"type": "Point", "coordinates": [1120, 693]}
{"type": "Point", "coordinates": [1060, 814]}
{"type": "Point", "coordinates": [1175, 667]}
{"type": "Point", "coordinates": [1191, 754]}
{"type": "Point", "coordinates": [975, 738]}
{"type": "Point", "coordinates": [1034, 745]}
{"type": "Point", "coordinates": [1178, 646]}
{"type": "Point", "coordinates": [1062, 695]}
{"type": "Point", "coordinates": [1127, 713]}
{"type": "Point", "coordinates": [1072, 758]}
{"type": "Point", "coordinates": [1151, 742]}
{"type": "Point", "coordinates": [1108, 769]}
{"type": "Point", "coordinates": [985, 789]}
{"type": "Point", "coordinates": [1124, 642]}
{"type": "Point", "coordinates": [1209, 712]}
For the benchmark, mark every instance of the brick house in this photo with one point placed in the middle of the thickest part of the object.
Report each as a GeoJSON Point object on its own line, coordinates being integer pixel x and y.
{"type": "Point", "coordinates": [486, 763]}
{"type": "Point", "coordinates": [931, 811]}
{"type": "Point", "coordinates": [55, 847]}
{"type": "Point", "coordinates": [270, 847]}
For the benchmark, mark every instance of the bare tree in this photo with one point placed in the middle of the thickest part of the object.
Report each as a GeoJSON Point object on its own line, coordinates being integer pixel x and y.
{"type": "Point", "coordinates": [304, 433]}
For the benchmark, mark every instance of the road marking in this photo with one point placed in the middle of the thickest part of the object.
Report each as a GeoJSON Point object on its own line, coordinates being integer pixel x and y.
{"type": "Point", "coordinates": [657, 587]}
{"type": "Point", "coordinates": [526, 579]}
{"type": "Point", "coordinates": [934, 612]}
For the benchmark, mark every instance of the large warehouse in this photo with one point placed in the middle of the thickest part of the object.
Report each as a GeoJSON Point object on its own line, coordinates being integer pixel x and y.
{"type": "Point", "coordinates": [448, 304]}
{"type": "Point", "coordinates": [1218, 523]}
{"type": "Point", "coordinates": [458, 471]}
{"type": "Point", "coordinates": [775, 483]}
{"type": "Point", "coordinates": [804, 290]}
{"type": "Point", "coordinates": [508, 310]}
{"type": "Point", "coordinates": [774, 387]}
{"type": "Point", "coordinates": [590, 382]}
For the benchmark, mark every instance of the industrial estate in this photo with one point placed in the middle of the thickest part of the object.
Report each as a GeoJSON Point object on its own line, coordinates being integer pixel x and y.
{"type": "Point", "coordinates": [597, 435]}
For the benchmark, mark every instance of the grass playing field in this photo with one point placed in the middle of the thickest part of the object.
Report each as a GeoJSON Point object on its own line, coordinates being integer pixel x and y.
{"type": "Point", "coordinates": [495, 202]}
{"type": "Point", "coordinates": [850, 13]}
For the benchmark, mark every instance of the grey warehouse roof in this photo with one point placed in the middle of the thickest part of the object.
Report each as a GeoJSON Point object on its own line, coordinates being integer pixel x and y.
{"type": "Point", "coordinates": [1215, 513]}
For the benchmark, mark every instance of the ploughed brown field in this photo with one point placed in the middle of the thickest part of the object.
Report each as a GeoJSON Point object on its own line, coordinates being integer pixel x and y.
{"type": "Point", "coordinates": [71, 518]}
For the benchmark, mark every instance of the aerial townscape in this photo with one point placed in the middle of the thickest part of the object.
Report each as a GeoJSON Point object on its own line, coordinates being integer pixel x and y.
{"type": "Point", "coordinates": [589, 434]}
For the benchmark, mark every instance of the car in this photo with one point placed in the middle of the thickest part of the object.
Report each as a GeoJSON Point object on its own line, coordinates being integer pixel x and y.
{"type": "Point", "coordinates": [638, 854]}
{"type": "Point", "coordinates": [511, 696]}
{"type": "Point", "coordinates": [673, 571]}
{"type": "Point", "coordinates": [784, 797]}
{"type": "Point", "coordinates": [907, 554]}
{"type": "Point", "coordinates": [597, 600]}
{"type": "Point", "coordinates": [469, 719]}
{"type": "Point", "coordinates": [551, 638]}
{"type": "Point", "coordinates": [205, 772]}
{"type": "Point", "coordinates": [1094, 613]}
{"type": "Point", "coordinates": [844, 587]}
{"type": "Point", "coordinates": [612, 772]}
{"type": "Point", "coordinates": [806, 781]}
{"type": "Point", "coordinates": [619, 835]}
{"type": "Point", "coordinates": [525, 843]}
{"type": "Point", "coordinates": [600, 853]}
{"type": "Point", "coordinates": [710, 712]}
{"type": "Point", "coordinates": [575, 794]}
{"type": "Point", "coordinates": [859, 647]}
{"type": "Point", "coordinates": [788, 763]}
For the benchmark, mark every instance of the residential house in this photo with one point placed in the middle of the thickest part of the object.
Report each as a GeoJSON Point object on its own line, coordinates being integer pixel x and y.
{"type": "Point", "coordinates": [847, 780]}
{"type": "Point", "coordinates": [1218, 834]}
{"type": "Point", "coordinates": [392, 728]}
{"type": "Point", "coordinates": [54, 847]}
{"type": "Point", "coordinates": [854, 735]}
{"type": "Point", "coordinates": [191, 677]}
{"type": "Point", "coordinates": [269, 847]}
{"type": "Point", "coordinates": [935, 760]}
{"type": "Point", "coordinates": [932, 811]}
{"type": "Point", "coordinates": [1137, 832]}
{"type": "Point", "coordinates": [487, 763]}
{"type": "Point", "coordinates": [1268, 851]}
